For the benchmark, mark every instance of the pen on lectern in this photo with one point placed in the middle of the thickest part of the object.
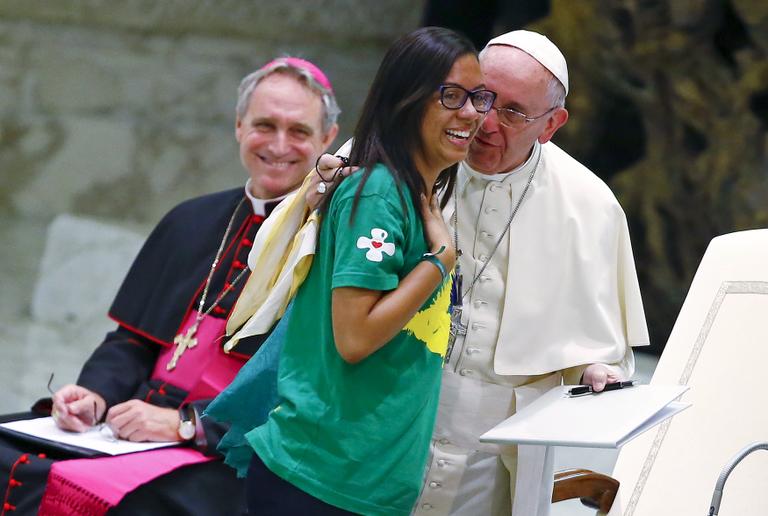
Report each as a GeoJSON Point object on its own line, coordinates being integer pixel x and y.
{"type": "Point", "coordinates": [583, 390]}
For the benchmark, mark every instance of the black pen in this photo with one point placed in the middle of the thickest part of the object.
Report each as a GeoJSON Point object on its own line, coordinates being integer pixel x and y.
{"type": "Point", "coordinates": [587, 389]}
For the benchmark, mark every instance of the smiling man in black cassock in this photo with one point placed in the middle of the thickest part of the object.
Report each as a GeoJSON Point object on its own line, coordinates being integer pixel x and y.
{"type": "Point", "coordinates": [152, 377]}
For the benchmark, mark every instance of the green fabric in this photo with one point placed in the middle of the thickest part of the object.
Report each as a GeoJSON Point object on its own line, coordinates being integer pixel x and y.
{"type": "Point", "coordinates": [250, 397]}
{"type": "Point", "coordinates": [357, 436]}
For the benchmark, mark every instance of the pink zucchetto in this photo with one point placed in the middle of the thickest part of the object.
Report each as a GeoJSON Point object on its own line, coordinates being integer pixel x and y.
{"type": "Point", "coordinates": [316, 73]}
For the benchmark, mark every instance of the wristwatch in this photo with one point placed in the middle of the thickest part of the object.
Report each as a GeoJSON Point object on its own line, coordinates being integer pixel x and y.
{"type": "Point", "coordinates": [186, 424]}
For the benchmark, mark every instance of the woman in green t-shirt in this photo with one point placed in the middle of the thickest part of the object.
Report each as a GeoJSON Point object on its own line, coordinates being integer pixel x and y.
{"type": "Point", "coordinates": [359, 373]}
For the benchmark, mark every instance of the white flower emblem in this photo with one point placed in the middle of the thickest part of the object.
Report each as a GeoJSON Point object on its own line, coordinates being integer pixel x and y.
{"type": "Point", "coordinates": [376, 245]}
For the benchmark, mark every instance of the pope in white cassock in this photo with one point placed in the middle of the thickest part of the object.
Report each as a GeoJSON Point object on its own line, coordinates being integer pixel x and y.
{"type": "Point", "coordinates": [549, 288]}
{"type": "Point", "coordinates": [549, 292]}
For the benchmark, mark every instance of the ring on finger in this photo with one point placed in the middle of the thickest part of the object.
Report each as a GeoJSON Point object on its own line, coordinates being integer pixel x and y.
{"type": "Point", "coordinates": [321, 188]}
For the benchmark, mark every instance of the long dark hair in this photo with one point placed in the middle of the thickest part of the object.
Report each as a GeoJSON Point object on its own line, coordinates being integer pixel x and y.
{"type": "Point", "coordinates": [389, 128]}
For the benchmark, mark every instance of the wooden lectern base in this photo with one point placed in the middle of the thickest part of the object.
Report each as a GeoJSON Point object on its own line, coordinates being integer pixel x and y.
{"type": "Point", "coordinates": [595, 490]}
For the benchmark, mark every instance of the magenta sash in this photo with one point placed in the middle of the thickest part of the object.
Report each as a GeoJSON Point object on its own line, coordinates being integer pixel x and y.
{"type": "Point", "coordinates": [205, 370]}
{"type": "Point", "coordinates": [92, 486]}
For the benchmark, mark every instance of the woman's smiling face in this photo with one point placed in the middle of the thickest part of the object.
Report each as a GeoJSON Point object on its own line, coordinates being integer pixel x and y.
{"type": "Point", "coordinates": [447, 133]}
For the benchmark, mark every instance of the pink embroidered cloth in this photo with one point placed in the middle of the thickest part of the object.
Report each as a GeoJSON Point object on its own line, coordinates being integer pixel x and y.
{"type": "Point", "coordinates": [92, 486]}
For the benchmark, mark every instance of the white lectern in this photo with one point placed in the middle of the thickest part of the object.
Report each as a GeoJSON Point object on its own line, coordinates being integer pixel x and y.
{"type": "Point", "coordinates": [604, 420]}
{"type": "Point", "coordinates": [718, 347]}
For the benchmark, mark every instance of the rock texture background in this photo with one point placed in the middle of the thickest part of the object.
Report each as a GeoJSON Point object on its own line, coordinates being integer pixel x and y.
{"type": "Point", "coordinates": [670, 107]}
{"type": "Point", "coordinates": [111, 112]}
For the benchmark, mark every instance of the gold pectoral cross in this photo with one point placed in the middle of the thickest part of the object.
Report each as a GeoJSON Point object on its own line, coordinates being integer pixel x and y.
{"type": "Point", "coordinates": [183, 342]}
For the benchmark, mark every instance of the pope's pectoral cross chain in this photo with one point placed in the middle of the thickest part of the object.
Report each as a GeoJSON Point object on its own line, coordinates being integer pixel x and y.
{"type": "Point", "coordinates": [457, 329]}
{"type": "Point", "coordinates": [183, 342]}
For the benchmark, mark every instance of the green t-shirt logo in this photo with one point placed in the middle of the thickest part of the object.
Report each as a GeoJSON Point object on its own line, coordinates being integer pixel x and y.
{"type": "Point", "coordinates": [376, 245]}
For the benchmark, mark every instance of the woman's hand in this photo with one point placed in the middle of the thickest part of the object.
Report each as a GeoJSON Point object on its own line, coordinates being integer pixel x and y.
{"type": "Point", "coordinates": [437, 232]}
{"type": "Point", "coordinates": [365, 320]}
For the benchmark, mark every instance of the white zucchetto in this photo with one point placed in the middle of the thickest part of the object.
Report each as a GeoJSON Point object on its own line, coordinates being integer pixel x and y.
{"type": "Point", "coordinates": [540, 48]}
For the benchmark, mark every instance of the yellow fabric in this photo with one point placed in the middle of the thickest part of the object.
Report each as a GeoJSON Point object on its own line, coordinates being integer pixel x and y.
{"type": "Point", "coordinates": [432, 325]}
{"type": "Point", "coordinates": [279, 261]}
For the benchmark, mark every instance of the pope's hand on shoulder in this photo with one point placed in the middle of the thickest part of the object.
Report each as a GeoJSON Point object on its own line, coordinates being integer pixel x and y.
{"type": "Point", "coordinates": [138, 421]}
{"type": "Point", "coordinates": [73, 408]}
{"type": "Point", "coordinates": [597, 375]}
{"type": "Point", "coordinates": [325, 174]}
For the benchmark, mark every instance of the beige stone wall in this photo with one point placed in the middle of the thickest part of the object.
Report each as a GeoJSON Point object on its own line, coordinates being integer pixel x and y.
{"type": "Point", "coordinates": [103, 104]}
{"type": "Point", "coordinates": [114, 111]}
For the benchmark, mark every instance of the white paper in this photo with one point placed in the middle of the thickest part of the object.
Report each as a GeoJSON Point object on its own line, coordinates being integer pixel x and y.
{"type": "Point", "coordinates": [605, 420]}
{"type": "Point", "coordinates": [45, 428]}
